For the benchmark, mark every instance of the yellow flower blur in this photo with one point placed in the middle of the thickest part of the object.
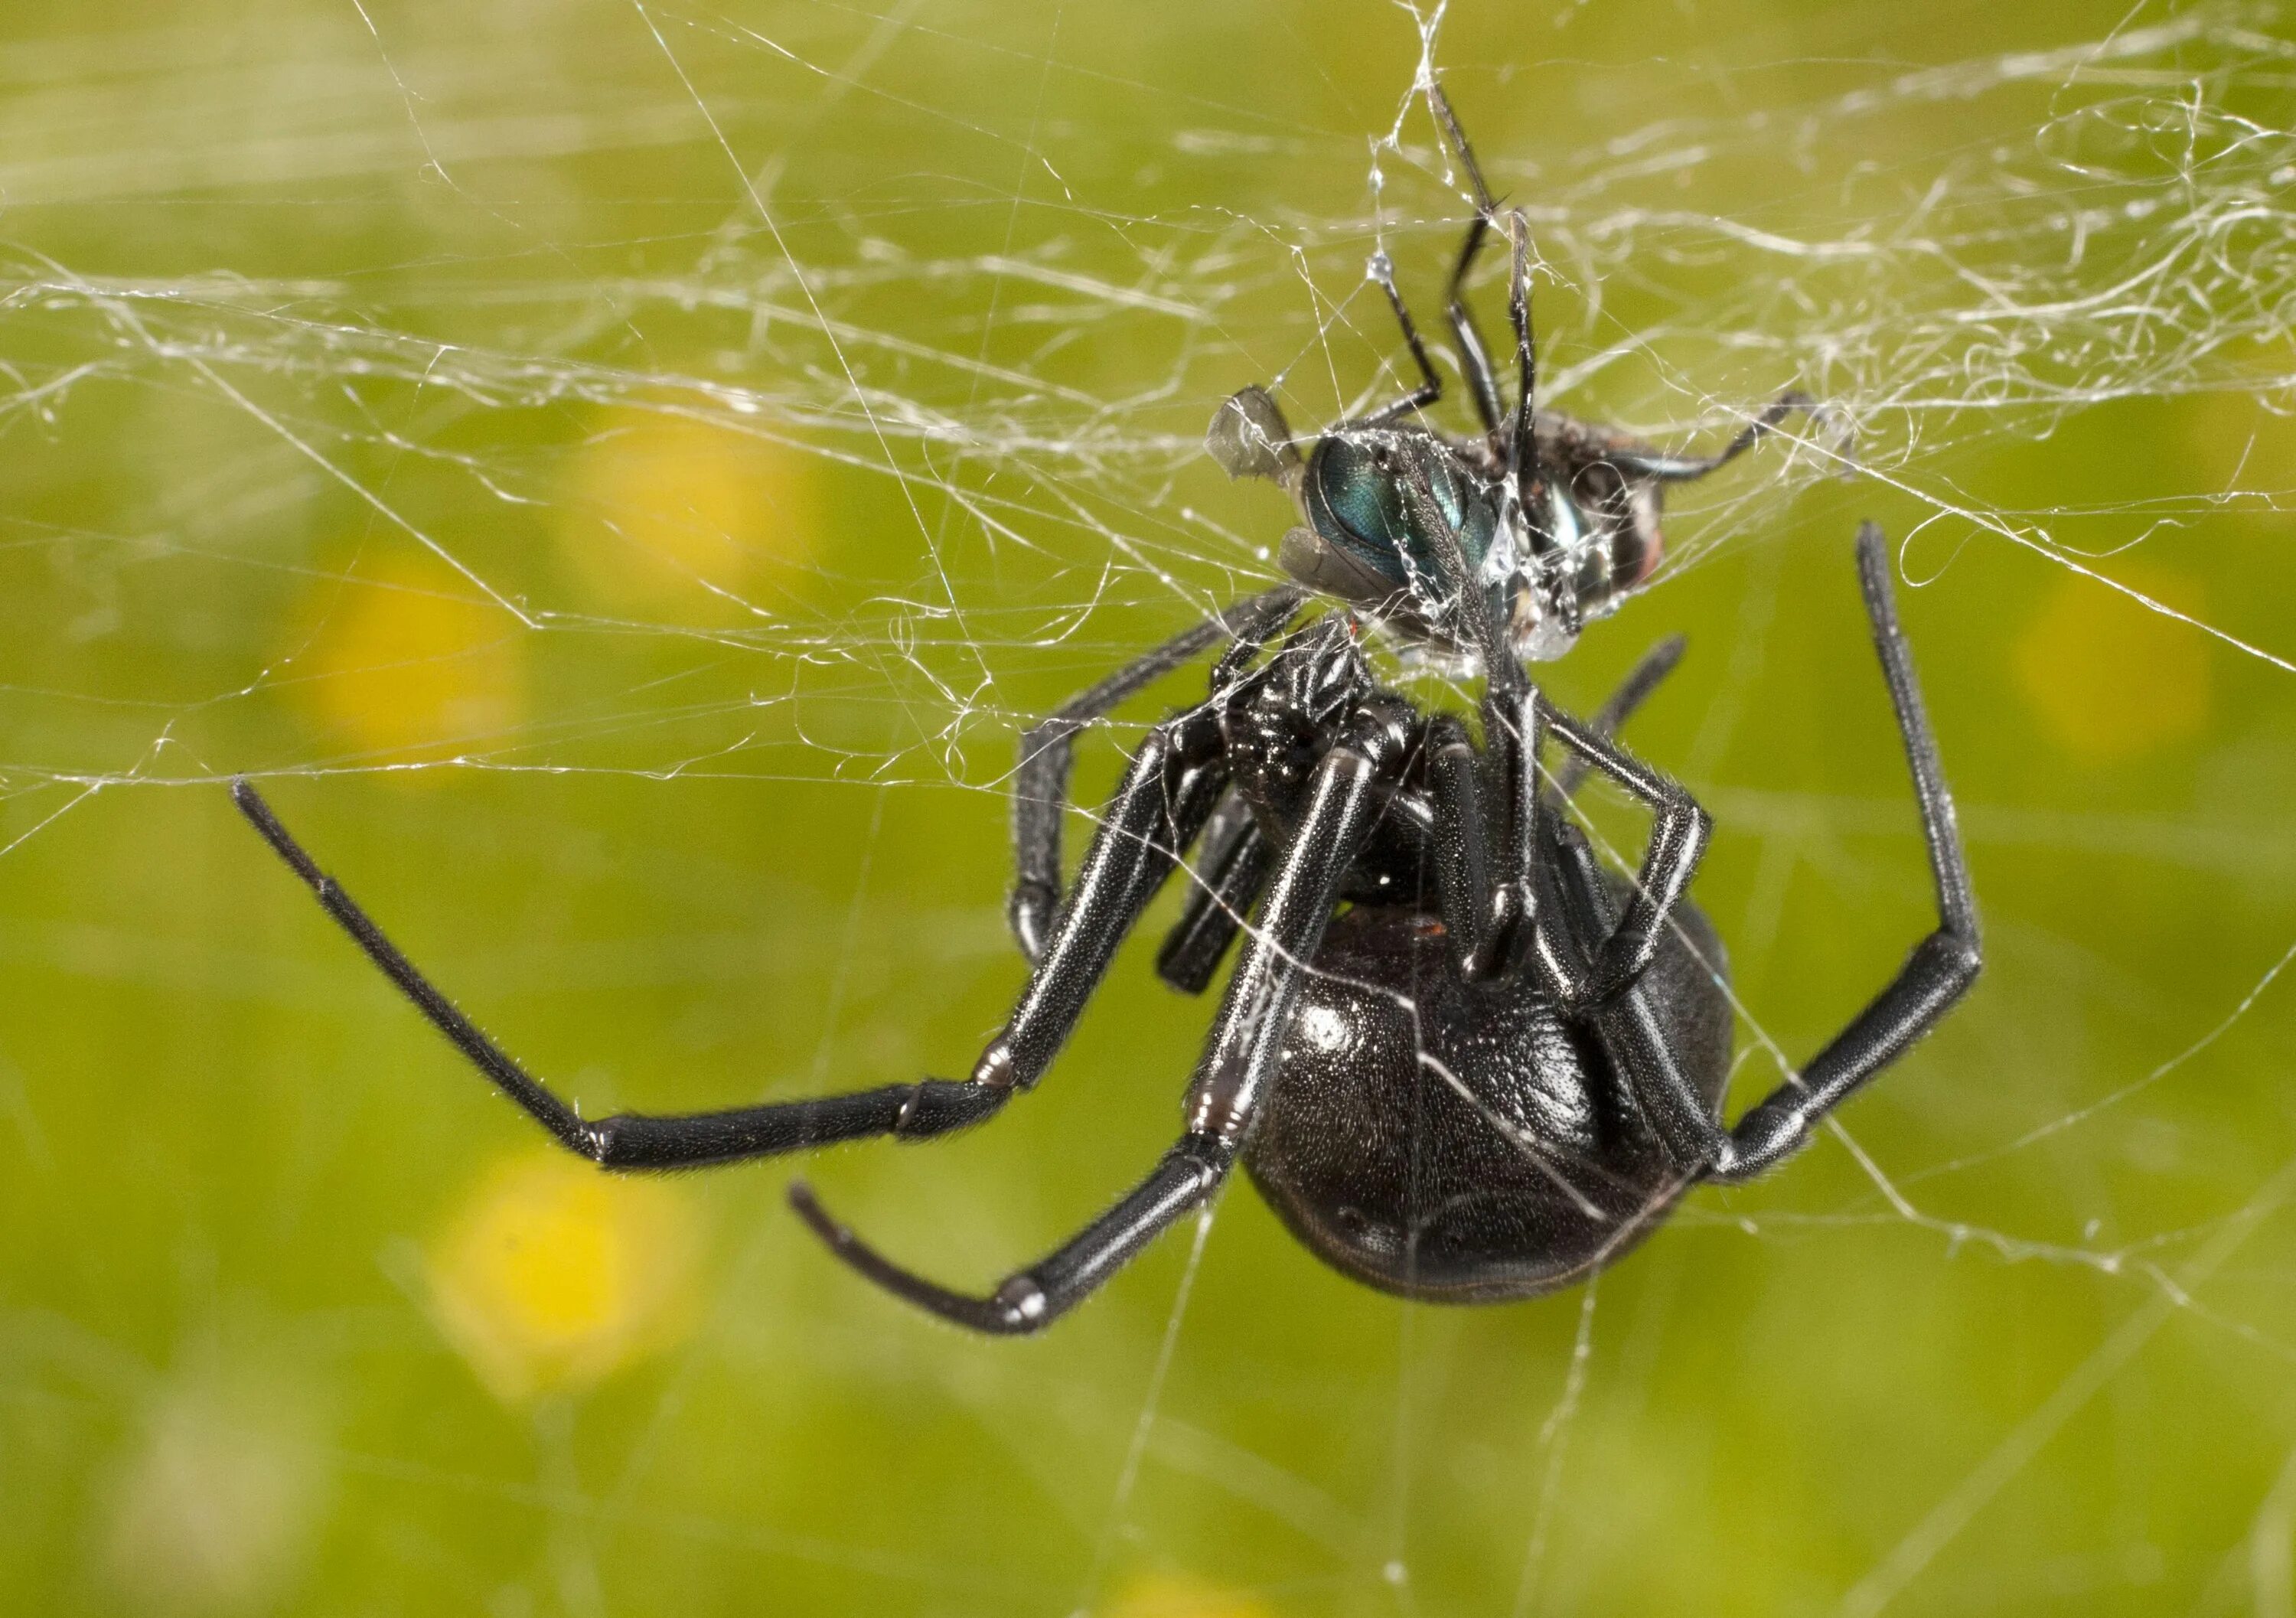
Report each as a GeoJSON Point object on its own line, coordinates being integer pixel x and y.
{"type": "Point", "coordinates": [407, 662]}
{"type": "Point", "coordinates": [551, 1275]}
{"type": "Point", "coordinates": [1172, 1594]}
{"type": "Point", "coordinates": [2110, 678]}
{"type": "Point", "coordinates": [669, 510]}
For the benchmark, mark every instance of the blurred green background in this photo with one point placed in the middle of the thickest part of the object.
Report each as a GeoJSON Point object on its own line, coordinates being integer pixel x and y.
{"type": "Point", "coordinates": [621, 475]}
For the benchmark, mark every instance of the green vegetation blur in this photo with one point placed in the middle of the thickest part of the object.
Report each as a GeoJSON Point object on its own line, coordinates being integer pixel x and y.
{"type": "Point", "coordinates": [622, 475]}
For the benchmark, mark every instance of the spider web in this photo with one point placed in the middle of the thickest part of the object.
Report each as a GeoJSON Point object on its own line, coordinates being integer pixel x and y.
{"type": "Point", "coordinates": [653, 461]}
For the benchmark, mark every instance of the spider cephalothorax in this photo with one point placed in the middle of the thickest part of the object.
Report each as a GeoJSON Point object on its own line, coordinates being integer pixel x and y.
{"type": "Point", "coordinates": [1461, 1061]}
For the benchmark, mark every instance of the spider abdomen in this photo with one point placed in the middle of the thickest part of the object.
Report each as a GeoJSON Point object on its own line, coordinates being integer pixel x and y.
{"type": "Point", "coordinates": [1467, 1144]}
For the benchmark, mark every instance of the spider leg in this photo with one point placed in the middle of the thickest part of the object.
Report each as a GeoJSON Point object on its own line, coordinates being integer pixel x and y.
{"type": "Point", "coordinates": [1343, 805]}
{"type": "Point", "coordinates": [1683, 468]}
{"type": "Point", "coordinates": [1231, 868]}
{"type": "Point", "coordinates": [1174, 777]}
{"type": "Point", "coordinates": [1620, 706]}
{"type": "Point", "coordinates": [1031, 1299]}
{"type": "Point", "coordinates": [1048, 751]}
{"type": "Point", "coordinates": [1939, 969]}
{"type": "Point", "coordinates": [1486, 804]}
{"type": "Point", "coordinates": [1345, 798]}
{"type": "Point", "coordinates": [1630, 1027]}
{"type": "Point", "coordinates": [635, 1141]}
{"type": "Point", "coordinates": [1941, 966]}
{"type": "Point", "coordinates": [1492, 802]}
{"type": "Point", "coordinates": [1679, 831]}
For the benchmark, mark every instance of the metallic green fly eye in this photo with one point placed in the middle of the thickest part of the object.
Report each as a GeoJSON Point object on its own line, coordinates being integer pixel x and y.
{"type": "Point", "coordinates": [1359, 500]}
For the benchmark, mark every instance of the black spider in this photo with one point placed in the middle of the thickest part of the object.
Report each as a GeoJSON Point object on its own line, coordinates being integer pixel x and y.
{"type": "Point", "coordinates": [1459, 1062]}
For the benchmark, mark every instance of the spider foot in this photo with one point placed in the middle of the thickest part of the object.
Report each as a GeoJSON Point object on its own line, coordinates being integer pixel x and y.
{"type": "Point", "coordinates": [1016, 1308]}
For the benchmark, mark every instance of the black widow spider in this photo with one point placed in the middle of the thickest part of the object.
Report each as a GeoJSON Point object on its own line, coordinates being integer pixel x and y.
{"type": "Point", "coordinates": [1495, 1067]}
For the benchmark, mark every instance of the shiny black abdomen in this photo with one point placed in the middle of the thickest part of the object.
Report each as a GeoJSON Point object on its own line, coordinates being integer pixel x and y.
{"type": "Point", "coordinates": [1381, 1166]}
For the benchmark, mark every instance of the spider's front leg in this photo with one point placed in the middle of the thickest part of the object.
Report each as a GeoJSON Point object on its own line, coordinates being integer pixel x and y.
{"type": "Point", "coordinates": [631, 1140]}
{"type": "Point", "coordinates": [1620, 706]}
{"type": "Point", "coordinates": [1177, 775]}
{"type": "Point", "coordinates": [1343, 803]}
{"type": "Point", "coordinates": [1513, 711]}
